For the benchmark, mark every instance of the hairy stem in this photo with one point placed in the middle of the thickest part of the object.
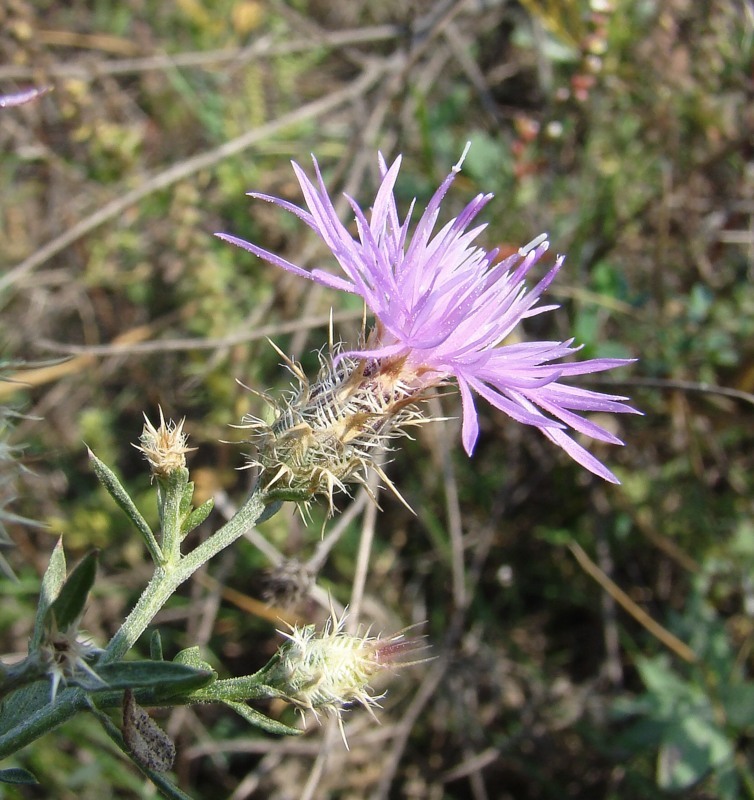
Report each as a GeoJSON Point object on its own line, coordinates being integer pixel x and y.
{"type": "Point", "coordinates": [167, 578]}
{"type": "Point", "coordinates": [170, 576]}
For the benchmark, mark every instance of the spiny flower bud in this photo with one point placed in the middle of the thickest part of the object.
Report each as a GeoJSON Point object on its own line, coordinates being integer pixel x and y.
{"type": "Point", "coordinates": [327, 671]}
{"type": "Point", "coordinates": [66, 658]}
{"type": "Point", "coordinates": [164, 447]}
{"type": "Point", "coordinates": [331, 432]}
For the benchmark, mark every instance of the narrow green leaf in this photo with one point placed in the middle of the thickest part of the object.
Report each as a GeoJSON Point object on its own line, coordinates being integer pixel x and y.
{"type": "Point", "coordinates": [22, 704]}
{"type": "Point", "coordinates": [110, 481]}
{"type": "Point", "coordinates": [667, 688]}
{"type": "Point", "coordinates": [259, 720]}
{"type": "Point", "coordinates": [17, 776]}
{"type": "Point", "coordinates": [270, 509]}
{"type": "Point", "coordinates": [727, 785]}
{"type": "Point", "coordinates": [188, 494]}
{"type": "Point", "coordinates": [166, 678]}
{"type": "Point", "coordinates": [197, 516]}
{"type": "Point", "coordinates": [691, 748]}
{"type": "Point", "coordinates": [53, 579]}
{"type": "Point", "coordinates": [155, 646]}
{"type": "Point", "coordinates": [28, 714]}
{"type": "Point", "coordinates": [248, 687]}
{"type": "Point", "coordinates": [69, 604]}
{"type": "Point", "coordinates": [738, 702]}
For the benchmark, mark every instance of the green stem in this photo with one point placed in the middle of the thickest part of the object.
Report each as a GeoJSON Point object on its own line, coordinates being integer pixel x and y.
{"type": "Point", "coordinates": [31, 669]}
{"type": "Point", "coordinates": [169, 577]}
{"type": "Point", "coordinates": [165, 581]}
{"type": "Point", "coordinates": [172, 490]}
{"type": "Point", "coordinates": [67, 704]}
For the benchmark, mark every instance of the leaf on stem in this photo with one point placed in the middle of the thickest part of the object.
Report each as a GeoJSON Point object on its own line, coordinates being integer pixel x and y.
{"type": "Point", "coordinates": [155, 646]}
{"type": "Point", "coordinates": [115, 489]}
{"type": "Point", "coordinates": [196, 517]}
{"type": "Point", "coordinates": [52, 581]}
{"type": "Point", "coordinates": [65, 611]}
{"type": "Point", "coordinates": [259, 720]}
{"type": "Point", "coordinates": [192, 657]}
{"type": "Point", "coordinates": [166, 678]}
{"type": "Point", "coordinates": [17, 776]}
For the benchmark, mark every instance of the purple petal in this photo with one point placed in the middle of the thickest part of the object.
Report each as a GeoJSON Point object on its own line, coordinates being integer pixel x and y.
{"type": "Point", "coordinates": [445, 309]}
{"type": "Point", "coordinates": [23, 97]}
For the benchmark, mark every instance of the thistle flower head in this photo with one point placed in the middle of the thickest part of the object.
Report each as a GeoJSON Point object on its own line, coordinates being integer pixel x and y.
{"type": "Point", "coordinates": [329, 433]}
{"type": "Point", "coordinates": [164, 447]}
{"type": "Point", "coordinates": [329, 670]}
{"type": "Point", "coordinates": [445, 306]}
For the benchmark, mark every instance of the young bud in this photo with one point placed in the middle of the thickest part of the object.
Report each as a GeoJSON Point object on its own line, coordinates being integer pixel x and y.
{"type": "Point", "coordinates": [66, 658]}
{"type": "Point", "coordinates": [164, 447]}
{"type": "Point", "coordinates": [328, 671]}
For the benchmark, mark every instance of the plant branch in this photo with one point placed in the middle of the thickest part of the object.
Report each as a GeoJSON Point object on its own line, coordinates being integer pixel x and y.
{"type": "Point", "coordinates": [168, 578]}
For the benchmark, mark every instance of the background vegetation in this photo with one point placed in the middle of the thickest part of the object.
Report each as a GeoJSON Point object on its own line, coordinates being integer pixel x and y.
{"type": "Point", "coordinates": [624, 130]}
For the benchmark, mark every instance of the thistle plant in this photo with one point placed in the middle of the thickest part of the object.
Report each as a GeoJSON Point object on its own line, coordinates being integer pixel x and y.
{"type": "Point", "coordinates": [443, 308]}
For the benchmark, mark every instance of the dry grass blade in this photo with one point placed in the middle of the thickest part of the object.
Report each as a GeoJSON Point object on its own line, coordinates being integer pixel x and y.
{"type": "Point", "coordinates": [355, 89]}
{"type": "Point", "coordinates": [672, 642]}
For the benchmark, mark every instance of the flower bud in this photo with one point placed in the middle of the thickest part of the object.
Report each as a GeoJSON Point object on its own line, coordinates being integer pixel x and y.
{"type": "Point", "coordinates": [164, 447]}
{"type": "Point", "coordinates": [327, 671]}
{"type": "Point", "coordinates": [331, 432]}
{"type": "Point", "coordinates": [66, 658]}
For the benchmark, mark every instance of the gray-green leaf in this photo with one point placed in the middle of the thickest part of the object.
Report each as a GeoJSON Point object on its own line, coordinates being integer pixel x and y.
{"type": "Point", "coordinates": [197, 516]}
{"type": "Point", "coordinates": [259, 720]}
{"type": "Point", "coordinates": [114, 487]}
{"type": "Point", "coordinates": [68, 606]}
{"type": "Point", "coordinates": [165, 678]}
{"type": "Point", "coordinates": [17, 776]}
{"type": "Point", "coordinates": [192, 657]}
{"type": "Point", "coordinates": [53, 579]}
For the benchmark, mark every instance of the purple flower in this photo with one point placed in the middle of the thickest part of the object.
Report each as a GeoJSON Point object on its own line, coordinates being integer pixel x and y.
{"type": "Point", "coordinates": [25, 96]}
{"type": "Point", "coordinates": [444, 307]}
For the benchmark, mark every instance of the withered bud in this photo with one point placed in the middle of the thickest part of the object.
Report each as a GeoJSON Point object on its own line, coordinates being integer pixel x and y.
{"type": "Point", "coordinates": [287, 584]}
{"type": "Point", "coordinates": [148, 743]}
